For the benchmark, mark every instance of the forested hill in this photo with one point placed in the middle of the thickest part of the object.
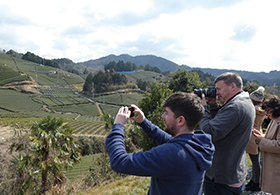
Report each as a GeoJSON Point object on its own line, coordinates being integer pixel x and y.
{"type": "Point", "coordinates": [161, 63]}
{"type": "Point", "coordinates": [271, 78]}
{"type": "Point", "coordinates": [263, 78]}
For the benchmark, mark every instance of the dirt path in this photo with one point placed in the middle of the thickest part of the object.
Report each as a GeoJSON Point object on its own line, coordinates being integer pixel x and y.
{"type": "Point", "coordinates": [97, 105]}
{"type": "Point", "coordinates": [6, 132]}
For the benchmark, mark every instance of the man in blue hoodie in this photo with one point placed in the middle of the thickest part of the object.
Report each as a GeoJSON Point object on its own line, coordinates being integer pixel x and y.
{"type": "Point", "coordinates": [178, 164]}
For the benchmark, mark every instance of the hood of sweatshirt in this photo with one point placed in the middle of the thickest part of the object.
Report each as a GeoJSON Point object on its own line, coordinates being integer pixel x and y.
{"type": "Point", "coordinates": [199, 146]}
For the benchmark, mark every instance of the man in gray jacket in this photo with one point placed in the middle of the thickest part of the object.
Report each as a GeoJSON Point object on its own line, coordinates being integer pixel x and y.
{"type": "Point", "coordinates": [231, 130]}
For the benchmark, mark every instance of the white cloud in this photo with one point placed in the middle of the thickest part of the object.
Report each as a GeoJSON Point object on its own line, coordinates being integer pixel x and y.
{"type": "Point", "coordinates": [237, 34]}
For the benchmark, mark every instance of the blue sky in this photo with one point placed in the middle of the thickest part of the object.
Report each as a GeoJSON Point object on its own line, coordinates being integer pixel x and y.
{"type": "Point", "coordinates": [232, 34]}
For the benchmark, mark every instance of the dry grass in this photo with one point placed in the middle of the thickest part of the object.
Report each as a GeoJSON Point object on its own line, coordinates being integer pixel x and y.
{"type": "Point", "coordinates": [126, 186]}
{"type": "Point", "coordinates": [6, 132]}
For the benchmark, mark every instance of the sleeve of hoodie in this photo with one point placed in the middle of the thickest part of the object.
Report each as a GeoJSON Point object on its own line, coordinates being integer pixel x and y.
{"type": "Point", "coordinates": [149, 163]}
{"type": "Point", "coordinates": [223, 123]}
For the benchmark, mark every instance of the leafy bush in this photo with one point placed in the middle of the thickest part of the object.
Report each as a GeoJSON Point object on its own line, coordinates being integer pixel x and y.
{"type": "Point", "coordinates": [91, 145]}
{"type": "Point", "coordinates": [130, 147]}
{"type": "Point", "coordinates": [101, 171]}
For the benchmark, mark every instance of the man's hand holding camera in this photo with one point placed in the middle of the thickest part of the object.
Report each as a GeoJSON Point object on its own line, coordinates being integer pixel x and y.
{"type": "Point", "coordinates": [125, 113]}
{"type": "Point", "coordinates": [207, 95]}
{"type": "Point", "coordinates": [209, 100]}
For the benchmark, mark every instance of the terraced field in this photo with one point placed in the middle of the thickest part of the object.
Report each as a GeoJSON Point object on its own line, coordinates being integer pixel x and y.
{"type": "Point", "coordinates": [89, 128]}
{"type": "Point", "coordinates": [83, 114]}
{"type": "Point", "coordinates": [80, 169]}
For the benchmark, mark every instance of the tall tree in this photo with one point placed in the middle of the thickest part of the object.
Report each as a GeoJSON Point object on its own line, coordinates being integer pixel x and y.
{"type": "Point", "coordinates": [185, 81]}
{"type": "Point", "coordinates": [150, 104]}
{"type": "Point", "coordinates": [207, 77]}
{"type": "Point", "coordinates": [88, 83]}
{"type": "Point", "coordinates": [251, 86]}
{"type": "Point", "coordinates": [142, 84]}
{"type": "Point", "coordinates": [103, 80]}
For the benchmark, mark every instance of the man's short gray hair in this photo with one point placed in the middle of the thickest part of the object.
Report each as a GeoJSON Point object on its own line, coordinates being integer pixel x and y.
{"type": "Point", "coordinates": [230, 77]}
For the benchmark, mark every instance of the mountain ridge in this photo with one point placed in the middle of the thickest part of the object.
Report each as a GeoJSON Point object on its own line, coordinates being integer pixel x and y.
{"type": "Point", "coordinates": [273, 77]}
{"type": "Point", "coordinates": [152, 60]}
{"type": "Point", "coordinates": [94, 65]}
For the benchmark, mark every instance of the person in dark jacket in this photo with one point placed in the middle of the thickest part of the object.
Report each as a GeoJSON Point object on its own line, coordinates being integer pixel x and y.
{"type": "Point", "coordinates": [231, 130]}
{"type": "Point", "coordinates": [177, 165]}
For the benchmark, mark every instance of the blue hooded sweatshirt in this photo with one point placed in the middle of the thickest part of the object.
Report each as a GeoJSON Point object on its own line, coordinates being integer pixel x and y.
{"type": "Point", "coordinates": [176, 166]}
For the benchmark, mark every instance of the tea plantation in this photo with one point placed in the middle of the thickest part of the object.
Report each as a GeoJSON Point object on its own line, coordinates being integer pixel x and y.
{"type": "Point", "coordinates": [57, 95]}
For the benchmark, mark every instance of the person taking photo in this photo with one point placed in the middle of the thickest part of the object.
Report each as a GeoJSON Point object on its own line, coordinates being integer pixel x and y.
{"type": "Point", "coordinates": [177, 165]}
{"type": "Point", "coordinates": [230, 129]}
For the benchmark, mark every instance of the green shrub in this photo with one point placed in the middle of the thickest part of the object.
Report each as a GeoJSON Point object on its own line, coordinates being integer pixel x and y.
{"type": "Point", "coordinates": [129, 145]}
{"type": "Point", "coordinates": [92, 145]}
{"type": "Point", "coordinates": [101, 171]}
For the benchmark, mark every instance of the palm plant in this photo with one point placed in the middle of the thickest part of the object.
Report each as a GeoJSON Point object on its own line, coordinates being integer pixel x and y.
{"type": "Point", "coordinates": [52, 148]}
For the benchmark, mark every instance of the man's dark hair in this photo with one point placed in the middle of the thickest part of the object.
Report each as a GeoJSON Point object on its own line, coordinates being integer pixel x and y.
{"type": "Point", "coordinates": [230, 77]}
{"type": "Point", "coordinates": [187, 105]}
{"type": "Point", "coordinates": [272, 104]}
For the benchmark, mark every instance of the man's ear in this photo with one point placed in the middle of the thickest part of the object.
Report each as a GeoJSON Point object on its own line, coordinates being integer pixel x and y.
{"type": "Point", "coordinates": [181, 121]}
{"type": "Point", "coordinates": [233, 86]}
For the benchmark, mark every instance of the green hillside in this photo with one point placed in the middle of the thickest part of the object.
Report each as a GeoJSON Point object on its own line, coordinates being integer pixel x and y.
{"type": "Point", "coordinates": [120, 99]}
{"type": "Point", "coordinates": [61, 101]}
{"type": "Point", "coordinates": [17, 102]}
{"type": "Point", "coordinates": [43, 75]}
{"type": "Point", "coordinates": [147, 76]}
{"type": "Point", "coordinates": [8, 75]}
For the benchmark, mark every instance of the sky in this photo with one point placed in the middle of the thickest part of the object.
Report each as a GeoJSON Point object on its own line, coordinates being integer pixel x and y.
{"type": "Point", "coordinates": [223, 34]}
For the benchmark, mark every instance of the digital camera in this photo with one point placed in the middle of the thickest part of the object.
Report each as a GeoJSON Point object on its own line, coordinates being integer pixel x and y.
{"type": "Point", "coordinates": [131, 111]}
{"type": "Point", "coordinates": [209, 92]}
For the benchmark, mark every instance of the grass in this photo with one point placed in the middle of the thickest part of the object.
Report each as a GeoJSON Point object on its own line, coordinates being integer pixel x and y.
{"type": "Point", "coordinates": [113, 102]}
{"type": "Point", "coordinates": [147, 76]}
{"type": "Point", "coordinates": [17, 122]}
{"type": "Point", "coordinates": [81, 168]}
{"type": "Point", "coordinates": [37, 72]}
{"type": "Point", "coordinates": [7, 60]}
{"type": "Point", "coordinates": [63, 78]}
{"type": "Point", "coordinates": [14, 102]}
{"type": "Point", "coordinates": [17, 101]}
{"type": "Point", "coordinates": [128, 185]}
{"type": "Point", "coordinates": [120, 99]}
{"type": "Point", "coordinates": [8, 75]}
{"type": "Point", "coordinates": [88, 109]}
{"type": "Point", "coordinates": [131, 185]}
{"type": "Point", "coordinates": [96, 127]}
{"type": "Point", "coordinates": [86, 127]}
{"type": "Point", "coordinates": [110, 109]}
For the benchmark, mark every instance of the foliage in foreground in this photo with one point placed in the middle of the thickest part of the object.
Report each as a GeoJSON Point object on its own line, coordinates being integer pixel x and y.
{"type": "Point", "coordinates": [50, 148]}
{"type": "Point", "coordinates": [182, 81]}
{"type": "Point", "coordinates": [130, 185]}
{"type": "Point", "coordinates": [101, 171]}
